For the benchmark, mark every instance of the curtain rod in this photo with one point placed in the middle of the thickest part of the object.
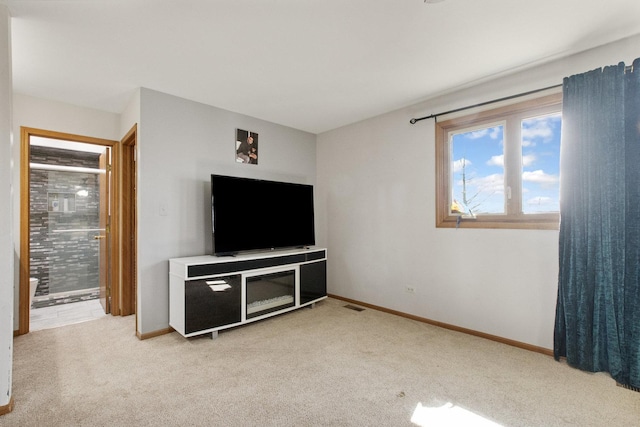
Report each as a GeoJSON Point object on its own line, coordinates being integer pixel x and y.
{"type": "Point", "coordinates": [414, 121]}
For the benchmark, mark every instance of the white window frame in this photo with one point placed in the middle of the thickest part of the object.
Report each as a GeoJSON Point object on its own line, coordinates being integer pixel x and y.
{"type": "Point", "coordinates": [512, 115]}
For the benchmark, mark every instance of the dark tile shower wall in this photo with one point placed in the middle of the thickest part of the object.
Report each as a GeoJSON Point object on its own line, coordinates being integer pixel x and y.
{"type": "Point", "coordinates": [62, 260]}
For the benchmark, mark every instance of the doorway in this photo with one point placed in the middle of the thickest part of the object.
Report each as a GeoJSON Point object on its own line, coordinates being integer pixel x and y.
{"type": "Point", "coordinates": [68, 211]}
{"type": "Point", "coordinates": [68, 201]}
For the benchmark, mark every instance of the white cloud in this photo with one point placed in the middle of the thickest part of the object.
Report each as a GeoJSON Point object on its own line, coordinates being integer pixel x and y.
{"type": "Point", "coordinates": [540, 201]}
{"type": "Point", "coordinates": [494, 133]}
{"type": "Point", "coordinates": [528, 160]}
{"type": "Point", "coordinates": [496, 160]}
{"type": "Point", "coordinates": [478, 134]}
{"type": "Point", "coordinates": [486, 193]}
{"type": "Point", "coordinates": [539, 177]}
{"type": "Point", "coordinates": [458, 164]}
{"type": "Point", "coordinates": [539, 128]}
{"type": "Point", "coordinates": [493, 183]}
{"type": "Point", "coordinates": [489, 183]}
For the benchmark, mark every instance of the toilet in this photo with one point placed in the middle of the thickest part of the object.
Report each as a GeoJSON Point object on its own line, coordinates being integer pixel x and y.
{"type": "Point", "coordinates": [33, 285]}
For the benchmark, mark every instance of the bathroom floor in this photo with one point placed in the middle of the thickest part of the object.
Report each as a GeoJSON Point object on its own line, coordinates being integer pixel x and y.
{"type": "Point", "coordinates": [64, 314]}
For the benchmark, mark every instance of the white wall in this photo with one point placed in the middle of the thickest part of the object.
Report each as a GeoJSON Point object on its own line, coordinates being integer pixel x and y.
{"type": "Point", "coordinates": [376, 188]}
{"type": "Point", "coordinates": [6, 246]}
{"type": "Point", "coordinates": [53, 116]}
{"type": "Point", "coordinates": [375, 203]}
{"type": "Point", "coordinates": [180, 144]}
{"type": "Point", "coordinates": [131, 114]}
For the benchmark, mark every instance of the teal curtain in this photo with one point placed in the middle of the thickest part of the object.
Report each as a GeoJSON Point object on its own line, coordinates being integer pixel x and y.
{"type": "Point", "coordinates": [597, 325]}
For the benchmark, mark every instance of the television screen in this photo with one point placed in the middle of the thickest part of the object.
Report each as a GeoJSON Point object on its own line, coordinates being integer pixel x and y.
{"type": "Point", "coordinates": [252, 214]}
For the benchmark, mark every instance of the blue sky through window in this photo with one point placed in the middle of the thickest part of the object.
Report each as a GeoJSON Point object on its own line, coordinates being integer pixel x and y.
{"type": "Point", "coordinates": [479, 172]}
{"type": "Point", "coordinates": [541, 164]}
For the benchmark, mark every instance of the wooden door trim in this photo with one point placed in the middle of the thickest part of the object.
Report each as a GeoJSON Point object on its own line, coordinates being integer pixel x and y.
{"type": "Point", "coordinates": [104, 223]}
{"type": "Point", "coordinates": [25, 134]}
{"type": "Point", "coordinates": [128, 223]}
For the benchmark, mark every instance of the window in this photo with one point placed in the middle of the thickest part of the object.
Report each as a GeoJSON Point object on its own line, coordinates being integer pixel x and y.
{"type": "Point", "coordinates": [500, 168]}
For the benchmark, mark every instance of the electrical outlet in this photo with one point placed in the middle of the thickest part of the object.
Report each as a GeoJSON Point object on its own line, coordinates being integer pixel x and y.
{"type": "Point", "coordinates": [410, 289]}
{"type": "Point", "coordinates": [163, 209]}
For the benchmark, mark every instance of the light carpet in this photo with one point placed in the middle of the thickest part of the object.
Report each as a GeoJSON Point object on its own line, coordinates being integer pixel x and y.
{"type": "Point", "coordinates": [326, 366]}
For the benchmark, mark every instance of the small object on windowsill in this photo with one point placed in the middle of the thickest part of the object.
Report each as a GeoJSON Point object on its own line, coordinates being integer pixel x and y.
{"type": "Point", "coordinates": [456, 207]}
{"type": "Point", "coordinates": [466, 217]}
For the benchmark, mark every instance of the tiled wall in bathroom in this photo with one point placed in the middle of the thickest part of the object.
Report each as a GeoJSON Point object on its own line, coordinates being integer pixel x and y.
{"type": "Point", "coordinates": [63, 260]}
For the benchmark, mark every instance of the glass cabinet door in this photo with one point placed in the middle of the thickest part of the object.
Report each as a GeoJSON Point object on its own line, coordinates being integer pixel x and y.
{"type": "Point", "coordinates": [270, 292]}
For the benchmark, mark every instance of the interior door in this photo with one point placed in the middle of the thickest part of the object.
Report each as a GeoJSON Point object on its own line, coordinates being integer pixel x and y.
{"type": "Point", "coordinates": [104, 237]}
{"type": "Point", "coordinates": [128, 225]}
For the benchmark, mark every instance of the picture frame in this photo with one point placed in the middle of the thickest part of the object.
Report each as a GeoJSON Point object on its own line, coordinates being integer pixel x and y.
{"type": "Point", "coordinates": [246, 147]}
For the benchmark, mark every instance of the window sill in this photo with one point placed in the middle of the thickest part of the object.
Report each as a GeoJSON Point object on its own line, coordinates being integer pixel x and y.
{"type": "Point", "coordinates": [532, 222]}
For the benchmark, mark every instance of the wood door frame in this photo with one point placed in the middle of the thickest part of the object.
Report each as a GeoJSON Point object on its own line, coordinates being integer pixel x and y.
{"type": "Point", "coordinates": [128, 232]}
{"type": "Point", "coordinates": [25, 247]}
{"type": "Point", "coordinates": [104, 223]}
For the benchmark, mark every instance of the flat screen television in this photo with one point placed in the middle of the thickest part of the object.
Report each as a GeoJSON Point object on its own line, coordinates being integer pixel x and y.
{"type": "Point", "coordinates": [253, 214]}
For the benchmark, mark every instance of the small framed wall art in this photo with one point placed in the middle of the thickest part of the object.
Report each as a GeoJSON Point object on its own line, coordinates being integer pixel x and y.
{"type": "Point", "coordinates": [246, 147]}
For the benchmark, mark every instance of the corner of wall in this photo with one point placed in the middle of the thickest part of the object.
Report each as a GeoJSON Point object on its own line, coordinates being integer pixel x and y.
{"type": "Point", "coordinates": [6, 217]}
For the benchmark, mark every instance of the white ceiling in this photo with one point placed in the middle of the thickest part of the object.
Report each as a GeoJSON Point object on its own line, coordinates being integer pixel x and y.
{"type": "Point", "coordinates": [313, 65]}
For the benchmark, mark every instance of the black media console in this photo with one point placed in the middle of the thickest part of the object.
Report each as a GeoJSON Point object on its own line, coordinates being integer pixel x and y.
{"type": "Point", "coordinates": [209, 293]}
